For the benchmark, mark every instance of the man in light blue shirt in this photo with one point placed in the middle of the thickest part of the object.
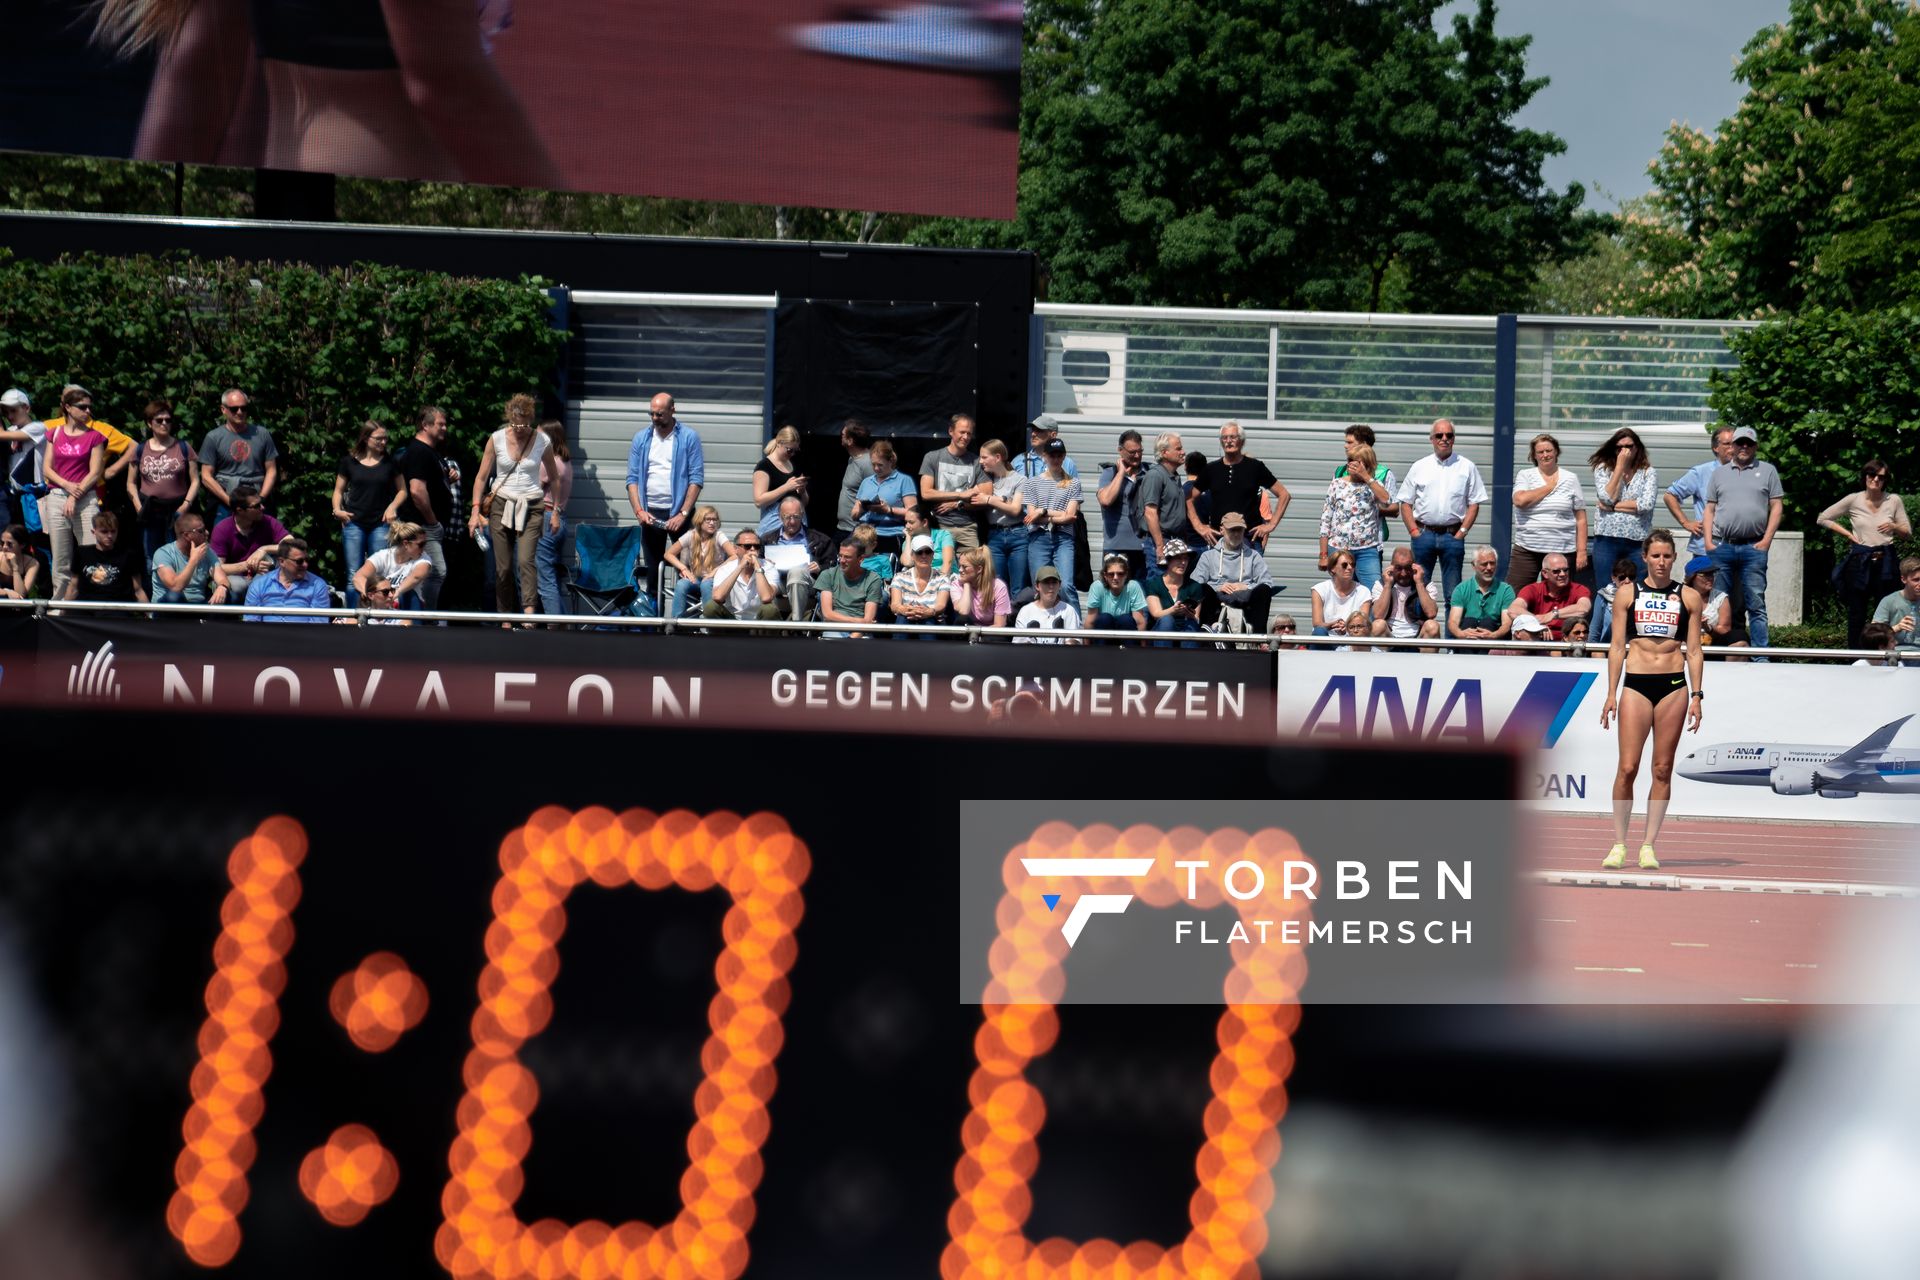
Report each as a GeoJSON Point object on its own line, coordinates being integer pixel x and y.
{"type": "Point", "coordinates": [289, 586]}
{"type": "Point", "coordinates": [1692, 487]}
{"type": "Point", "coordinates": [1034, 461]}
{"type": "Point", "coordinates": [666, 469]}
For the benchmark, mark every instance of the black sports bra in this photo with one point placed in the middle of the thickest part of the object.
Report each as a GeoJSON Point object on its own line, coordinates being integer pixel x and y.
{"type": "Point", "coordinates": [346, 35]}
{"type": "Point", "coordinates": [1659, 613]}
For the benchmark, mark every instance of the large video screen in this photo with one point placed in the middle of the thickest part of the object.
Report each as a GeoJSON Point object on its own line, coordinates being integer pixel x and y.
{"type": "Point", "coordinates": [896, 107]}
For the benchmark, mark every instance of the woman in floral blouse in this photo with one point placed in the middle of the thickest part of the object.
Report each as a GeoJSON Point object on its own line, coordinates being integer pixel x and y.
{"type": "Point", "coordinates": [1625, 489]}
{"type": "Point", "coordinates": [1351, 519]}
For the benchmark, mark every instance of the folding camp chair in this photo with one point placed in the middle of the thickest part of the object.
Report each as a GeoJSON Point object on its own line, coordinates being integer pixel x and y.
{"type": "Point", "coordinates": [607, 585]}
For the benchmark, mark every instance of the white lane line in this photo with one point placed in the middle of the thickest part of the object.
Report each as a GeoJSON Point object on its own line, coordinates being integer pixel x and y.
{"type": "Point", "coordinates": [1686, 944]}
{"type": "Point", "coordinates": [1764, 1000]}
{"type": "Point", "coordinates": [1558, 920]}
{"type": "Point", "coordinates": [1599, 968]}
{"type": "Point", "coordinates": [1791, 965]}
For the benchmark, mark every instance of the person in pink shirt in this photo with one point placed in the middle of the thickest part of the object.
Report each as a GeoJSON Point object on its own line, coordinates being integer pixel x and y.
{"type": "Point", "coordinates": [76, 460]}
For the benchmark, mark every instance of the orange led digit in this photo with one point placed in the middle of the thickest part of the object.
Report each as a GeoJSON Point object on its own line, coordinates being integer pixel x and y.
{"type": "Point", "coordinates": [242, 1014]}
{"type": "Point", "coordinates": [761, 865]}
{"type": "Point", "coordinates": [1001, 1133]}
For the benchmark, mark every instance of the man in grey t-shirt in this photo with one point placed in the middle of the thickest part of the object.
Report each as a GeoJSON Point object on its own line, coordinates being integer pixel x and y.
{"type": "Point", "coordinates": [1744, 503]}
{"type": "Point", "coordinates": [238, 451]}
{"type": "Point", "coordinates": [947, 478]}
{"type": "Point", "coordinates": [1163, 500]}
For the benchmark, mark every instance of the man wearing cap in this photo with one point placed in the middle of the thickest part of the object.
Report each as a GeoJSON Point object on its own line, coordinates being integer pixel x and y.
{"type": "Point", "coordinates": [26, 443]}
{"type": "Point", "coordinates": [1744, 504]}
{"type": "Point", "coordinates": [1556, 599]}
{"type": "Point", "coordinates": [1439, 501]}
{"type": "Point", "coordinates": [1691, 488]}
{"type": "Point", "coordinates": [1716, 615]}
{"type": "Point", "coordinates": [1525, 626]}
{"type": "Point", "coordinates": [1034, 461]}
{"type": "Point", "coordinates": [1045, 612]}
{"type": "Point", "coordinates": [1234, 572]}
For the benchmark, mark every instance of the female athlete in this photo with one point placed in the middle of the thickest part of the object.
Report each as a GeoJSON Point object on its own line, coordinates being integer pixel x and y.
{"type": "Point", "coordinates": [1658, 630]}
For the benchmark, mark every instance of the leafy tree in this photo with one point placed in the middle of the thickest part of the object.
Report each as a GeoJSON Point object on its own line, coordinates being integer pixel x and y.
{"type": "Point", "coordinates": [1803, 195]}
{"type": "Point", "coordinates": [1280, 153]}
{"type": "Point", "coordinates": [1826, 390]}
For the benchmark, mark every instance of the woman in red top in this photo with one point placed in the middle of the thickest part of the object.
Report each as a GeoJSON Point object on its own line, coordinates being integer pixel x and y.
{"type": "Point", "coordinates": [162, 479]}
{"type": "Point", "coordinates": [76, 459]}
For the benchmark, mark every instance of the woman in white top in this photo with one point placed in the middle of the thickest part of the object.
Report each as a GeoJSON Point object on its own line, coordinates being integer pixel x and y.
{"type": "Point", "coordinates": [696, 557]}
{"type": "Point", "coordinates": [520, 462]}
{"type": "Point", "coordinates": [1340, 595]}
{"type": "Point", "coordinates": [1870, 572]}
{"type": "Point", "coordinates": [400, 565]}
{"type": "Point", "coordinates": [1549, 515]}
{"type": "Point", "coordinates": [1625, 489]}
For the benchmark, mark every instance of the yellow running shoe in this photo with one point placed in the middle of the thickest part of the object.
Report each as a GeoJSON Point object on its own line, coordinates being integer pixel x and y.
{"type": "Point", "coordinates": [1616, 858]}
{"type": "Point", "coordinates": [1647, 861]}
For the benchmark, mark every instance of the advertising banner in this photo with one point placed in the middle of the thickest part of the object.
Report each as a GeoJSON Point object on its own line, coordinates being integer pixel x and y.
{"type": "Point", "coordinates": [891, 107]}
{"type": "Point", "coordinates": [635, 678]}
{"type": "Point", "coordinates": [1794, 741]}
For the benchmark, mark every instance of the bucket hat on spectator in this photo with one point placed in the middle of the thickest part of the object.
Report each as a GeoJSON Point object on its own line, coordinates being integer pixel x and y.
{"type": "Point", "coordinates": [1174, 547]}
{"type": "Point", "coordinates": [1699, 564]}
{"type": "Point", "coordinates": [1047, 574]}
{"type": "Point", "coordinates": [1233, 520]}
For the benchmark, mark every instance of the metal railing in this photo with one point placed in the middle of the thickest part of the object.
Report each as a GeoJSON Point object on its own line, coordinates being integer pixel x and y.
{"type": "Point", "coordinates": [1136, 639]}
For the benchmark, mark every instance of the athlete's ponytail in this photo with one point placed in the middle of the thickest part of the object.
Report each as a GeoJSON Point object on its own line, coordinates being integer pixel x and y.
{"type": "Point", "coordinates": [128, 26]}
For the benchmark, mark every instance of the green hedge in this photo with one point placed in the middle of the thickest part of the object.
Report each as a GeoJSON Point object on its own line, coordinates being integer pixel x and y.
{"type": "Point", "coordinates": [319, 350]}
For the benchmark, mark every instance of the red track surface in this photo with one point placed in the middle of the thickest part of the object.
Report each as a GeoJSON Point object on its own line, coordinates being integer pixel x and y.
{"type": "Point", "coordinates": [711, 100]}
{"type": "Point", "coordinates": [1632, 946]}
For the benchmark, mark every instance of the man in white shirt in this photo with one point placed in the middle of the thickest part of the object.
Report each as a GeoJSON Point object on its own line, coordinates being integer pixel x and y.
{"type": "Point", "coordinates": [666, 469]}
{"type": "Point", "coordinates": [1439, 502]}
{"type": "Point", "coordinates": [742, 589]}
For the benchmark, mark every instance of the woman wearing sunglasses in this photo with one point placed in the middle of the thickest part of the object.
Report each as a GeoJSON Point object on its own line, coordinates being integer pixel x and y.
{"type": "Point", "coordinates": [164, 478]}
{"type": "Point", "coordinates": [1625, 487]}
{"type": "Point", "coordinates": [1870, 571]}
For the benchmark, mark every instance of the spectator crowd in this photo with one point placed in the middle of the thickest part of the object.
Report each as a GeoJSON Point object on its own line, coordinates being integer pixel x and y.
{"type": "Point", "coordinates": [979, 534]}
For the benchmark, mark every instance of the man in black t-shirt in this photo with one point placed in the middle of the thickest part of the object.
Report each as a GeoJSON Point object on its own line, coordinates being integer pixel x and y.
{"type": "Point", "coordinates": [433, 483]}
{"type": "Point", "coordinates": [108, 571]}
{"type": "Point", "coordinates": [1235, 482]}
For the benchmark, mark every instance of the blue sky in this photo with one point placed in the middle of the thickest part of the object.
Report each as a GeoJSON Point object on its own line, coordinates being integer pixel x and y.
{"type": "Point", "coordinates": [1622, 70]}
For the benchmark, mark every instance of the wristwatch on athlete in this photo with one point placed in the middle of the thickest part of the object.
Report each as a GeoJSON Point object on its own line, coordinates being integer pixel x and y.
{"type": "Point", "coordinates": [1698, 694]}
